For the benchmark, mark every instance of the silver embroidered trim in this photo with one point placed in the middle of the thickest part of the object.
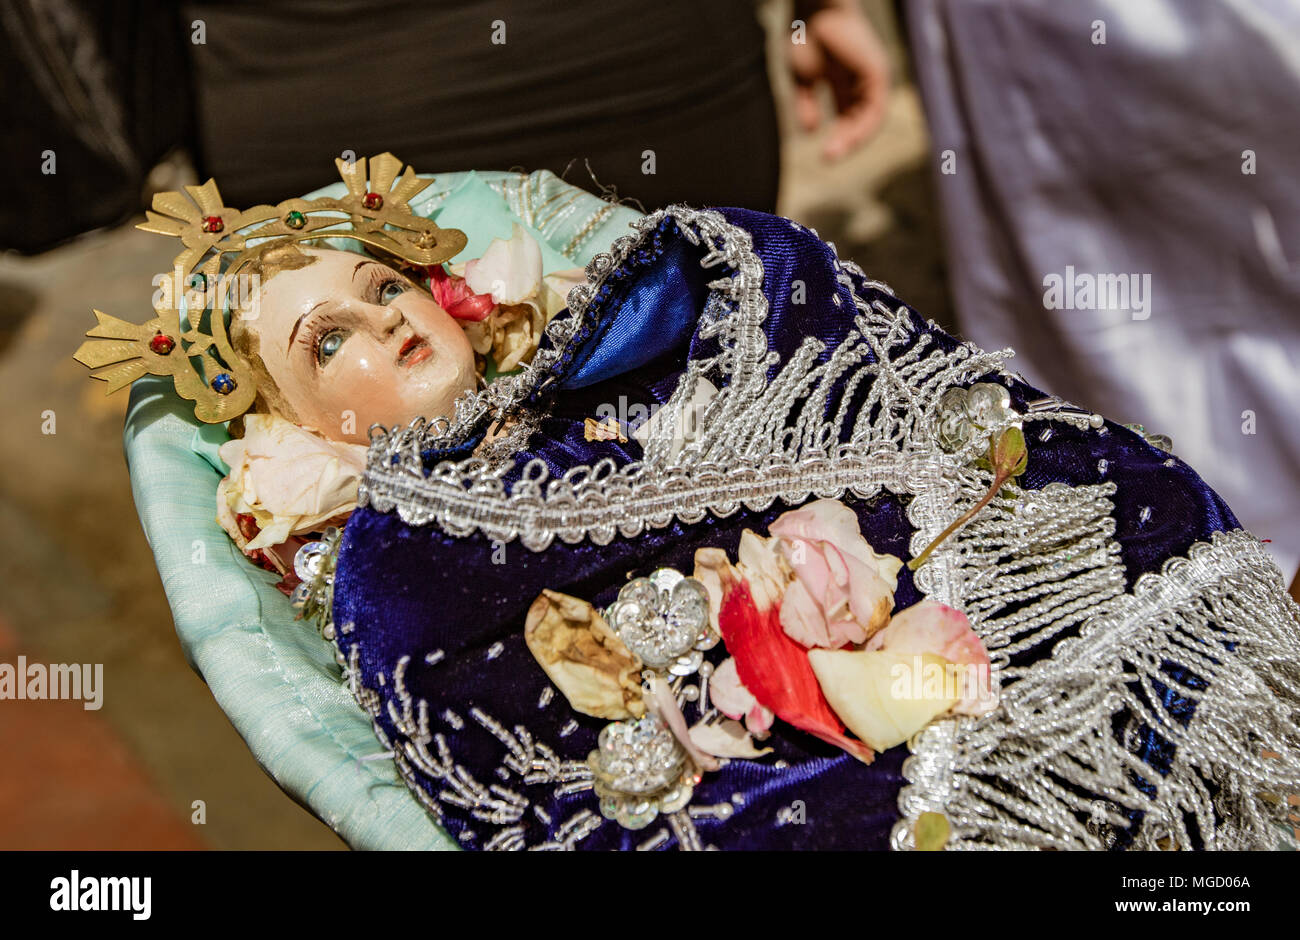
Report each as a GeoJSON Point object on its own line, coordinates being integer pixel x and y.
{"type": "Point", "coordinates": [1045, 769]}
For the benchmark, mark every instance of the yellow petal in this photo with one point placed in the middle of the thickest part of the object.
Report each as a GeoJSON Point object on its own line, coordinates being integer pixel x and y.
{"type": "Point", "coordinates": [884, 698]}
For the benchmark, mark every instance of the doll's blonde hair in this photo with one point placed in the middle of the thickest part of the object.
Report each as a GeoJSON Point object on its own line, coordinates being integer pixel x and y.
{"type": "Point", "coordinates": [269, 261]}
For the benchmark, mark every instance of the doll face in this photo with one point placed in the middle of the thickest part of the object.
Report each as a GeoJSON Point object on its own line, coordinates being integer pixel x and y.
{"type": "Point", "coordinates": [347, 334]}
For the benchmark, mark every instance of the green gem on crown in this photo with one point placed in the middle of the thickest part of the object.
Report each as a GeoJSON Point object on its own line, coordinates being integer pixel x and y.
{"type": "Point", "coordinates": [295, 219]}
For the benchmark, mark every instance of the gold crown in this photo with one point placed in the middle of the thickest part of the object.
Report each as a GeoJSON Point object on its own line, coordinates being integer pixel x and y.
{"type": "Point", "coordinates": [376, 212]}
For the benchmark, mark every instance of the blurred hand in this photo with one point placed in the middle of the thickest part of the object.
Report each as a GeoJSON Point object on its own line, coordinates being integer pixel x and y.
{"type": "Point", "coordinates": [843, 50]}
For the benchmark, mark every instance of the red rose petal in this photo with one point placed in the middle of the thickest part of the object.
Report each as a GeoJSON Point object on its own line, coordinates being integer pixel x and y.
{"type": "Point", "coordinates": [776, 671]}
{"type": "Point", "coordinates": [476, 307]}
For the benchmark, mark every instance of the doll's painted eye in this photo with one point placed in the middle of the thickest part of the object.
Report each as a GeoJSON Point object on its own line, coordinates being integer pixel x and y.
{"type": "Point", "coordinates": [329, 344]}
{"type": "Point", "coordinates": [391, 291]}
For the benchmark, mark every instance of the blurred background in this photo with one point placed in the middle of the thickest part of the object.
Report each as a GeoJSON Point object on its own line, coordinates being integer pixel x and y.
{"type": "Point", "coordinates": [1029, 136]}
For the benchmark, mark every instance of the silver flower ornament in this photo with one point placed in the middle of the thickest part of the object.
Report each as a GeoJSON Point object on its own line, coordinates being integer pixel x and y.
{"type": "Point", "coordinates": [664, 620]}
{"type": "Point", "coordinates": [967, 413]}
{"type": "Point", "coordinates": [639, 771]}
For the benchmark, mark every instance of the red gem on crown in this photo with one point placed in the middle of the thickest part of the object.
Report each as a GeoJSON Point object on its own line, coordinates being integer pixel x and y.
{"type": "Point", "coordinates": [213, 224]}
{"type": "Point", "coordinates": [372, 201]}
{"type": "Point", "coordinates": [162, 344]}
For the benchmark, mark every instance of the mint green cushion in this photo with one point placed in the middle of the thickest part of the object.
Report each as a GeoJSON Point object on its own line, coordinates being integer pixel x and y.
{"type": "Point", "coordinates": [274, 676]}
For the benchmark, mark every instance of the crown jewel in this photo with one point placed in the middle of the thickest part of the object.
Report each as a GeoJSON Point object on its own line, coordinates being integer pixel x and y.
{"type": "Point", "coordinates": [218, 241]}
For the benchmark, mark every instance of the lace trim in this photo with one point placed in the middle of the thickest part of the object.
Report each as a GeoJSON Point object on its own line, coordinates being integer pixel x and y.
{"type": "Point", "coordinates": [548, 203]}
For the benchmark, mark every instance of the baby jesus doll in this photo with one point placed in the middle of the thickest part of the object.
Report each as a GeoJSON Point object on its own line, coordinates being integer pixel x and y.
{"type": "Point", "coordinates": [339, 343]}
{"type": "Point", "coordinates": [743, 553]}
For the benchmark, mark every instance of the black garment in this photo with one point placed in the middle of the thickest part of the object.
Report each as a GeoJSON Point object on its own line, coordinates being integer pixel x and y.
{"type": "Point", "coordinates": [286, 85]}
{"type": "Point", "coordinates": [98, 93]}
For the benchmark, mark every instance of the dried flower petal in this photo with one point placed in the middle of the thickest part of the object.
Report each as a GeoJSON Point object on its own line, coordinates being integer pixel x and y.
{"type": "Point", "coordinates": [509, 274]}
{"type": "Point", "coordinates": [760, 567]}
{"type": "Point", "coordinates": [582, 656]}
{"type": "Point", "coordinates": [510, 270]}
{"type": "Point", "coordinates": [829, 520]}
{"type": "Point", "coordinates": [726, 739]}
{"type": "Point", "coordinates": [453, 295]}
{"type": "Point", "coordinates": [289, 479]}
{"type": "Point", "coordinates": [843, 590]}
{"type": "Point", "coordinates": [709, 565]}
{"type": "Point", "coordinates": [663, 703]}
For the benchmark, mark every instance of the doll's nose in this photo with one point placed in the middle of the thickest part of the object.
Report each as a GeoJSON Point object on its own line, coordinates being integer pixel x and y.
{"type": "Point", "coordinates": [388, 320]}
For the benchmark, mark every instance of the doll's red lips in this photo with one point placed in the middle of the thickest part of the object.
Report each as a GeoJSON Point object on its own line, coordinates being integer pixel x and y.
{"type": "Point", "coordinates": [414, 350]}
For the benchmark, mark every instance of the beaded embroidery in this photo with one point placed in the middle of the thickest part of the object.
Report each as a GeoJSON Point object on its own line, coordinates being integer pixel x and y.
{"type": "Point", "coordinates": [530, 764]}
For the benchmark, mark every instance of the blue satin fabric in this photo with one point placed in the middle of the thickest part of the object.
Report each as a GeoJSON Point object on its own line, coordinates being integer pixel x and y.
{"type": "Point", "coordinates": [656, 315]}
{"type": "Point", "coordinates": [409, 591]}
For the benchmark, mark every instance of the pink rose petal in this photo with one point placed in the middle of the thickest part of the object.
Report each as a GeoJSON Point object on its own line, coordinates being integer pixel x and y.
{"type": "Point", "coordinates": [664, 705]}
{"type": "Point", "coordinates": [842, 590]}
{"type": "Point", "coordinates": [828, 520]}
{"type": "Point", "coordinates": [730, 697]}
